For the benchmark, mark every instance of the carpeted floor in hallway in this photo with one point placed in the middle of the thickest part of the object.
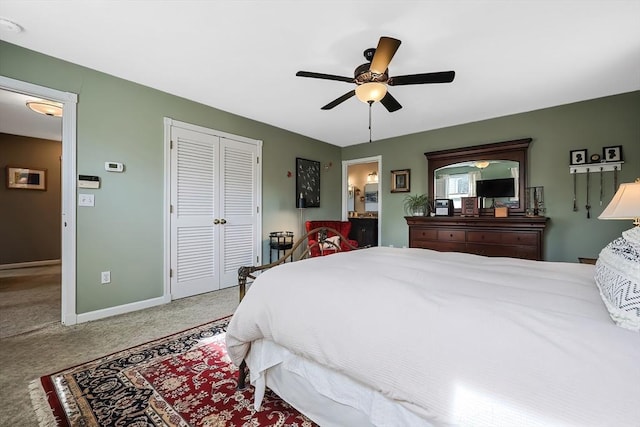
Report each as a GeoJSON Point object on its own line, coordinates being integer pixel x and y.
{"type": "Point", "coordinates": [27, 356]}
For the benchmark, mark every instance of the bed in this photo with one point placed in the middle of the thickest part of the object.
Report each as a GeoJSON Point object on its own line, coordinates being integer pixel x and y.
{"type": "Point", "coordinates": [413, 337]}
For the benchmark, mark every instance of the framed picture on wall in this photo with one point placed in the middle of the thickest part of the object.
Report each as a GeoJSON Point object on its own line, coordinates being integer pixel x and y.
{"type": "Point", "coordinates": [612, 154]}
{"type": "Point", "coordinates": [307, 183]}
{"type": "Point", "coordinates": [26, 178]}
{"type": "Point", "coordinates": [578, 157]}
{"type": "Point", "coordinates": [400, 180]}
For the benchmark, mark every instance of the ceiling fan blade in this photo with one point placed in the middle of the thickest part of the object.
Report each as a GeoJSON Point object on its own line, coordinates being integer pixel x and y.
{"type": "Point", "coordinates": [339, 100]}
{"type": "Point", "coordinates": [325, 76]}
{"type": "Point", "coordinates": [418, 79]}
{"type": "Point", "coordinates": [390, 103]}
{"type": "Point", "coordinates": [387, 47]}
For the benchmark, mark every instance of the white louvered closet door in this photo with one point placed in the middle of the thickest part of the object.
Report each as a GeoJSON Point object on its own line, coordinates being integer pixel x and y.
{"type": "Point", "coordinates": [238, 172]}
{"type": "Point", "coordinates": [194, 201]}
{"type": "Point", "coordinates": [214, 218]}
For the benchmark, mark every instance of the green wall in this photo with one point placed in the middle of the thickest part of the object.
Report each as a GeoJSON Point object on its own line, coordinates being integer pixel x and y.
{"type": "Point", "coordinates": [591, 125]}
{"type": "Point", "coordinates": [122, 121]}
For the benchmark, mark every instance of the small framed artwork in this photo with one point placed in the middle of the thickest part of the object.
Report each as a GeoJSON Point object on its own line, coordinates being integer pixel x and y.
{"type": "Point", "coordinates": [578, 157]}
{"type": "Point", "coordinates": [400, 180]}
{"type": "Point", "coordinates": [26, 178]}
{"type": "Point", "coordinates": [612, 154]}
{"type": "Point", "coordinates": [307, 183]}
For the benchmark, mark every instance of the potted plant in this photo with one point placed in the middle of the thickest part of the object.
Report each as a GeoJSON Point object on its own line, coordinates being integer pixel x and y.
{"type": "Point", "coordinates": [417, 205]}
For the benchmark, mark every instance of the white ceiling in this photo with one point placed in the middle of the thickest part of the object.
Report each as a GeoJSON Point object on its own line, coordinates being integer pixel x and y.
{"type": "Point", "coordinates": [242, 56]}
{"type": "Point", "coordinates": [17, 119]}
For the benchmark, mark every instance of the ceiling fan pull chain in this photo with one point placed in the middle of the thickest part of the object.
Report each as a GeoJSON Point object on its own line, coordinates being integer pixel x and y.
{"type": "Point", "coordinates": [370, 104]}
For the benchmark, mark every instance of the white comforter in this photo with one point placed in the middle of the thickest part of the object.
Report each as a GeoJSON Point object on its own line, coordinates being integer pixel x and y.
{"type": "Point", "coordinates": [456, 338]}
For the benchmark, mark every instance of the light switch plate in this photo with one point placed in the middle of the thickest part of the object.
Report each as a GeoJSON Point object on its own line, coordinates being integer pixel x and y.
{"type": "Point", "coordinates": [86, 200]}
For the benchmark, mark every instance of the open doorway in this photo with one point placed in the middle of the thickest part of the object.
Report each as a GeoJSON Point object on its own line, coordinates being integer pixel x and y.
{"type": "Point", "coordinates": [66, 172]}
{"type": "Point", "coordinates": [361, 199]}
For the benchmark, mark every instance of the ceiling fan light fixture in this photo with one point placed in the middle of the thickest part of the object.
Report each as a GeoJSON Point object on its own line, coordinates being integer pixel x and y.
{"type": "Point", "coordinates": [371, 92]}
{"type": "Point", "coordinates": [48, 108]}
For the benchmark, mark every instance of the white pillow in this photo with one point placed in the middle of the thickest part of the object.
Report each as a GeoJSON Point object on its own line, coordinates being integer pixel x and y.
{"type": "Point", "coordinates": [334, 239]}
{"type": "Point", "coordinates": [618, 278]}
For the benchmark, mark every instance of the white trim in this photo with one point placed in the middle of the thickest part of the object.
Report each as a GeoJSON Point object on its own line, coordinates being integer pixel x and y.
{"type": "Point", "coordinates": [122, 309]}
{"type": "Point", "coordinates": [68, 186]}
{"type": "Point", "coordinates": [345, 189]}
{"type": "Point", "coordinates": [166, 203]}
{"type": "Point", "coordinates": [596, 167]}
{"type": "Point", "coordinates": [209, 131]}
{"type": "Point", "coordinates": [30, 264]}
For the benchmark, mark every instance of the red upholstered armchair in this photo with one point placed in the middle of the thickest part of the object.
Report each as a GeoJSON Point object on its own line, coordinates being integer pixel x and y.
{"type": "Point", "coordinates": [343, 227]}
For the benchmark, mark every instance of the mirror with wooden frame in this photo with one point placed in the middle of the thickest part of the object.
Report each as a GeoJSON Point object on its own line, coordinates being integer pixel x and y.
{"type": "Point", "coordinates": [496, 173]}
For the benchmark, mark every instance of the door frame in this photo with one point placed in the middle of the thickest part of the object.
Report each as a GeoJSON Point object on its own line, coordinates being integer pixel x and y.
{"type": "Point", "coordinates": [345, 188]}
{"type": "Point", "coordinates": [168, 123]}
{"type": "Point", "coordinates": [68, 187]}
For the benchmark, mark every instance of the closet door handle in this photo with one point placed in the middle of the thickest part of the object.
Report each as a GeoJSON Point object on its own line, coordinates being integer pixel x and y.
{"type": "Point", "coordinates": [223, 221]}
{"type": "Point", "coordinates": [216, 221]}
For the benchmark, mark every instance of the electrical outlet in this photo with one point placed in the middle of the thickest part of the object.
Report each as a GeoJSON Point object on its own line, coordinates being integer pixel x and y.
{"type": "Point", "coordinates": [105, 277]}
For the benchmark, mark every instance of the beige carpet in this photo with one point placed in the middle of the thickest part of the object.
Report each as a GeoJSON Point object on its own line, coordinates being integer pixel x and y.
{"type": "Point", "coordinates": [26, 357]}
{"type": "Point", "coordinates": [29, 299]}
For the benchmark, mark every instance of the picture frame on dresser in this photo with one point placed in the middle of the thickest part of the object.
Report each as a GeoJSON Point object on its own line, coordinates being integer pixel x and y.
{"type": "Point", "coordinates": [469, 206]}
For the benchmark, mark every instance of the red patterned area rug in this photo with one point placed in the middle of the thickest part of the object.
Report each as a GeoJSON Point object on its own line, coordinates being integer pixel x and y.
{"type": "Point", "coordinates": [185, 379]}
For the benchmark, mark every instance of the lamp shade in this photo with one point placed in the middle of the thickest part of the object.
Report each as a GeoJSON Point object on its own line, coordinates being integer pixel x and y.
{"type": "Point", "coordinates": [372, 91]}
{"type": "Point", "coordinates": [625, 203]}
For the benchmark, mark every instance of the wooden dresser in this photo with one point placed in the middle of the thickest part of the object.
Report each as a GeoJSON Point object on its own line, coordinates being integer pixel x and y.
{"type": "Point", "coordinates": [515, 237]}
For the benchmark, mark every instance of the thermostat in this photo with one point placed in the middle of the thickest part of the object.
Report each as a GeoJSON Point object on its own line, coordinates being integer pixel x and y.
{"type": "Point", "coordinates": [113, 167]}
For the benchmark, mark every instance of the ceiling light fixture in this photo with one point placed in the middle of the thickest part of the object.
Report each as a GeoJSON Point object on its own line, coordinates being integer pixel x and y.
{"type": "Point", "coordinates": [9, 26]}
{"type": "Point", "coordinates": [48, 108]}
{"type": "Point", "coordinates": [481, 164]}
{"type": "Point", "coordinates": [371, 92]}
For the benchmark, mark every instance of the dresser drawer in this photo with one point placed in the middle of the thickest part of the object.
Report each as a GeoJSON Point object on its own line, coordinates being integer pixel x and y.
{"type": "Point", "coordinates": [423, 234]}
{"type": "Point", "coordinates": [484, 236]}
{"type": "Point", "coordinates": [451, 235]}
{"type": "Point", "coordinates": [446, 246]}
{"type": "Point", "coordinates": [519, 238]}
{"type": "Point", "coordinates": [422, 244]}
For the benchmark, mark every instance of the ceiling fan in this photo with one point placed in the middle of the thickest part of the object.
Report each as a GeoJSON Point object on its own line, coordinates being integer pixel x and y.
{"type": "Point", "coordinates": [372, 78]}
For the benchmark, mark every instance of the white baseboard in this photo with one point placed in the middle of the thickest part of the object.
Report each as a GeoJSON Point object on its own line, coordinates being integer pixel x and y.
{"type": "Point", "coordinates": [122, 309]}
{"type": "Point", "coordinates": [30, 264]}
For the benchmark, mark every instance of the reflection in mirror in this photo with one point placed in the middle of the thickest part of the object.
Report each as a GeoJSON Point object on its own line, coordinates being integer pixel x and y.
{"type": "Point", "coordinates": [486, 171]}
{"type": "Point", "coordinates": [494, 181]}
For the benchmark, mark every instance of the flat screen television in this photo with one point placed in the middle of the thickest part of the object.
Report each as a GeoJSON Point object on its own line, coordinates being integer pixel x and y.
{"type": "Point", "coordinates": [493, 188]}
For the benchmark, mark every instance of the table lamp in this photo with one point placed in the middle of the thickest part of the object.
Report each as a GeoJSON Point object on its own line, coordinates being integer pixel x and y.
{"type": "Point", "coordinates": [618, 267]}
{"type": "Point", "coordinates": [625, 203]}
